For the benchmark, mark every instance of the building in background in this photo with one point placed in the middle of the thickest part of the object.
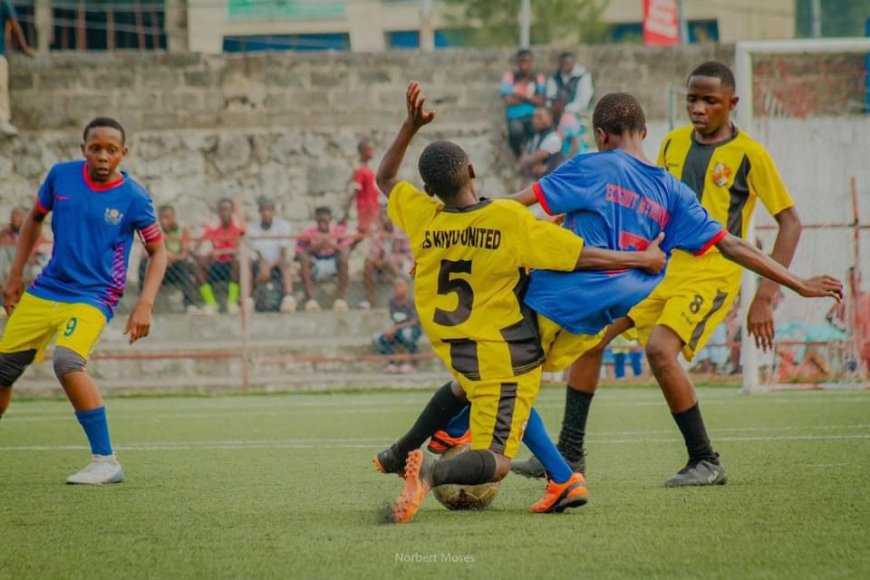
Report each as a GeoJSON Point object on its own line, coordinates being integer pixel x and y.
{"type": "Point", "coordinates": [214, 26]}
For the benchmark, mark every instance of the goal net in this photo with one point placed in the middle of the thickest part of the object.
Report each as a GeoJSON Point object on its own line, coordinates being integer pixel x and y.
{"type": "Point", "coordinates": [808, 102]}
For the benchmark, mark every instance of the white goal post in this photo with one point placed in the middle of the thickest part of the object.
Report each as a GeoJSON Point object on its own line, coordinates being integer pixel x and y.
{"type": "Point", "coordinates": [744, 53]}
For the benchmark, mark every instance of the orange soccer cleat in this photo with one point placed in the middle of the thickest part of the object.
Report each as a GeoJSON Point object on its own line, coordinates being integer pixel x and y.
{"type": "Point", "coordinates": [416, 487]}
{"type": "Point", "coordinates": [441, 441]}
{"type": "Point", "coordinates": [561, 496]}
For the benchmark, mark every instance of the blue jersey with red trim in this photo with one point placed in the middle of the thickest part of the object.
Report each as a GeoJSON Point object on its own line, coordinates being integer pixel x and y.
{"type": "Point", "coordinates": [614, 201]}
{"type": "Point", "coordinates": [93, 227]}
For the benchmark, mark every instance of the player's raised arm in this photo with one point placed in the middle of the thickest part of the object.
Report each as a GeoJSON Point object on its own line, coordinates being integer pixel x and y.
{"type": "Point", "coordinates": [748, 256]}
{"type": "Point", "coordinates": [388, 170]}
{"type": "Point", "coordinates": [31, 230]}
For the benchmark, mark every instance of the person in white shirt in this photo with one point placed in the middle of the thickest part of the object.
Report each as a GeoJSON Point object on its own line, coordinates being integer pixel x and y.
{"type": "Point", "coordinates": [270, 239]}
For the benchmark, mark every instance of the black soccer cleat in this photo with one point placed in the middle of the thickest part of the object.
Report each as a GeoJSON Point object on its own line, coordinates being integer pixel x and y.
{"type": "Point", "coordinates": [387, 461]}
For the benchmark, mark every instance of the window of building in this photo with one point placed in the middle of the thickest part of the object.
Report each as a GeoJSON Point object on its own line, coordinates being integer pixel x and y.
{"type": "Point", "coordinates": [410, 39]}
{"type": "Point", "coordinates": [285, 9]}
{"type": "Point", "coordinates": [297, 42]}
{"type": "Point", "coordinates": [700, 31]}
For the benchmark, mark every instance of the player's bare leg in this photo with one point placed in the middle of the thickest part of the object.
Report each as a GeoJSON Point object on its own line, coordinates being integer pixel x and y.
{"type": "Point", "coordinates": [307, 275]}
{"type": "Point", "coordinates": [87, 401]}
{"type": "Point", "coordinates": [342, 258]}
{"type": "Point", "coordinates": [703, 467]}
{"type": "Point", "coordinates": [5, 398]}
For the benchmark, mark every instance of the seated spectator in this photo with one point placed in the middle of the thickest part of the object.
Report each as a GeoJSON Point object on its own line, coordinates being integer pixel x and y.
{"type": "Point", "coordinates": [271, 264]}
{"type": "Point", "coordinates": [568, 128]}
{"type": "Point", "coordinates": [574, 83]}
{"type": "Point", "coordinates": [543, 152]}
{"type": "Point", "coordinates": [364, 191]}
{"type": "Point", "coordinates": [323, 251]}
{"type": "Point", "coordinates": [389, 255]}
{"type": "Point", "coordinates": [405, 330]}
{"type": "Point", "coordinates": [178, 270]}
{"type": "Point", "coordinates": [522, 91]}
{"type": "Point", "coordinates": [221, 264]}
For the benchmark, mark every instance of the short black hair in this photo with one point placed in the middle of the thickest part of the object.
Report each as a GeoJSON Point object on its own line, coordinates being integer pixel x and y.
{"type": "Point", "coordinates": [105, 122]}
{"type": "Point", "coordinates": [444, 168]}
{"type": "Point", "coordinates": [716, 70]}
{"type": "Point", "coordinates": [264, 201]}
{"type": "Point", "coordinates": [322, 210]}
{"type": "Point", "coordinates": [565, 55]}
{"type": "Point", "coordinates": [618, 114]}
{"type": "Point", "coordinates": [224, 200]}
{"type": "Point", "coordinates": [364, 142]}
{"type": "Point", "coordinates": [523, 52]}
{"type": "Point", "coordinates": [165, 208]}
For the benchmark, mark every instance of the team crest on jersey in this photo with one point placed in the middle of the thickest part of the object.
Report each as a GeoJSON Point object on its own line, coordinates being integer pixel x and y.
{"type": "Point", "coordinates": [113, 216]}
{"type": "Point", "coordinates": [721, 174]}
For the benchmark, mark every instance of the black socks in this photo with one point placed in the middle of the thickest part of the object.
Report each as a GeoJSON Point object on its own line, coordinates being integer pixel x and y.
{"type": "Point", "coordinates": [698, 445]}
{"type": "Point", "coordinates": [469, 468]}
{"type": "Point", "coordinates": [438, 411]}
{"type": "Point", "coordinates": [573, 433]}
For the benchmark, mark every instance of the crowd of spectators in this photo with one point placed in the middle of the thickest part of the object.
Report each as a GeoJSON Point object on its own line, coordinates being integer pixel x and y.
{"type": "Point", "coordinates": [545, 116]}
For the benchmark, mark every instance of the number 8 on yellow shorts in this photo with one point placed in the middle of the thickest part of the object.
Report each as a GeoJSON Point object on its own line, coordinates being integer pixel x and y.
{"type": "Point", "coordinates": [35, 322]}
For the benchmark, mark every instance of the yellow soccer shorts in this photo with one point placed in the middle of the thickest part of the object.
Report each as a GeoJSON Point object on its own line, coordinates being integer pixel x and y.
{"type": "Point", "coordinates": [35, 322]}
{"type": "Point", "coordinates": [692, 306]}
{"type": "Point", "coordinates": [500, 410]}
{"type": "Point", "coordinates": [561, 347]}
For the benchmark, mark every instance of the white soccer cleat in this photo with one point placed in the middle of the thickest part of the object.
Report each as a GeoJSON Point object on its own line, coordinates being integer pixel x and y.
{"type": "Point", "coordinates": [102, 469]}
{"type": "Point", "coordinates": [312, 306]}
{"type": "Point", "coordinates": [233, 309]}
{"type": "Point", "coordinates": [340, 306]}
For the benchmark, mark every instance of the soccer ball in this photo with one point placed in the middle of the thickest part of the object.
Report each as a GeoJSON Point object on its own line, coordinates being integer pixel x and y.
{"type": "Point", "coordinates": [464, 497]}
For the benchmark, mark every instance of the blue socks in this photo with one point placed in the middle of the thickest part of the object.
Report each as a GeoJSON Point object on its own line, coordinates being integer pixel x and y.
{"type": "Point", "coordinates": [540, 444]}
{"type": "Point", "coordinates": [96, 428]}
{"type": "Point", "coordinates": [460, 423]}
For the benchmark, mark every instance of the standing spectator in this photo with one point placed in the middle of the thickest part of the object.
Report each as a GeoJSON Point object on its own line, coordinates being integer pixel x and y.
{"type": "Point", "coordinates": [568, 128]}
{"type": "Point", "coordinates": [543, 152]}
{"type": "Point", "coordinates": [522, 91]}
{"type": "Point", "coordinates": [323, 250]}
{"type": "Point", "coordinates": [389, 254]}
{"type": "Point", "coordinates": [270, 239]}
{"type": "Point", "coordinates": [177, 241]}
{"type": "Point", "coordinates": [8, 18]}
{"type": "Point", "coordinates": [574, 83]}
{"type": "Point", "coordinates": [364, 190]}
{"type": "Point", "coordinates": [405, 330]}
{"type": "Point", "coordinates": [221, 264]}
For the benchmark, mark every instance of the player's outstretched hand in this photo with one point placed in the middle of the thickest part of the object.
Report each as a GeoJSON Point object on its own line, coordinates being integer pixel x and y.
{"type": "Point", "coordinates": [822, 287]}
{"type": "Point", "coordinates": [415, 99]}
{"type": "Point", "coordinates": [12, 293]}
{"type": "Point", "coordinates": [655, 257]}
{"type": "Point", "coordinates": [139, 323]}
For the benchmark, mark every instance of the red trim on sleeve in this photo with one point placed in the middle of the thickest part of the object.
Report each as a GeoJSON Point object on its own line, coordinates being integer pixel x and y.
{"type": "Point", "coordinates": [99, 186]}
{"type": "Point", "coordinates": [539, 194]}
{"type": "Point", "coordinates": [151, 233]}
{"type": "Point", "coordinates": [712, 242]}
{"type": "Point", "coordinates": [41, 208]}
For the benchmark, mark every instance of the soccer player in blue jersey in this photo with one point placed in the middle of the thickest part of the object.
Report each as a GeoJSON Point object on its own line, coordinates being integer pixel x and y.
{"type": "Point", "coordinates": [97, 212]}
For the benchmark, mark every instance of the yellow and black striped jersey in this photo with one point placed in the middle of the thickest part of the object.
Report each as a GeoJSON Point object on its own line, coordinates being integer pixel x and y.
{"type": "Point", "coordinates": [472, 266]}
{"type": "Point", "coordinates": [728, 177]}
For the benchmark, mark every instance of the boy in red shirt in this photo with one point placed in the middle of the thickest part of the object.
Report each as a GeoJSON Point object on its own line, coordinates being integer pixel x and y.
{"type": "Point", "coordinates": [221, 264]}
{"type": "Point", "coordinates": [364, 190]}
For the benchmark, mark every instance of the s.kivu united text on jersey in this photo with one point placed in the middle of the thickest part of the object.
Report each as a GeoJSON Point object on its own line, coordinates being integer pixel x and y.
{"type": "Point", "coordinates": [471, 273]}
{"type": "Point", "coordinates": [614, 201]}
{"type": "Point", "coordinates": [93, 226]}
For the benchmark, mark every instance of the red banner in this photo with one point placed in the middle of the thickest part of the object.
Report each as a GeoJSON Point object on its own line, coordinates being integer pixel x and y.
{"type": "Point", "coordinates": [661, 23]}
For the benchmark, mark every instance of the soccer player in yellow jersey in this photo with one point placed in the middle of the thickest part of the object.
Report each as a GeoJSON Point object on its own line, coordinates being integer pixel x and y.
{"type": "Point", "coordinates": [729, 172]}
{"type": "Point", "coordinates": [472, 258]}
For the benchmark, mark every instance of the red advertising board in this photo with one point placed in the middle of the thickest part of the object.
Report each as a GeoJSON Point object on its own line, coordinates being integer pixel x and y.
{"type": "Point", "coordinates": [661, 23]}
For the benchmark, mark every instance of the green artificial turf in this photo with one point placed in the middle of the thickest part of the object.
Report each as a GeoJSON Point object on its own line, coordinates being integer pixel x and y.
{"type": "Point", "coordinates": [281, 486]}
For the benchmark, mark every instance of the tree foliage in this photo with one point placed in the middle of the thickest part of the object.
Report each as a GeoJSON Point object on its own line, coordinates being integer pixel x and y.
{"type": "Point", "coordinates": [497, 22]}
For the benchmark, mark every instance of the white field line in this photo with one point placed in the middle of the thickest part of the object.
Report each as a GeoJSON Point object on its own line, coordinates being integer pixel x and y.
{"type": "Point", "coordinates": [357, 444]}
{"type": "Point", "coordinates": [125, 412]}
